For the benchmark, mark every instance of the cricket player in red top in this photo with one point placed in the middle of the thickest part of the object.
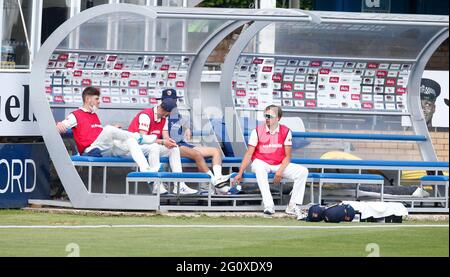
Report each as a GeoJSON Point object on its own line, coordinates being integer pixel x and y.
{"type": "Point", "coordinates": [154, 122]}
{"type": "Point", "coordinates": [269, 149]}
{"type": "Point", "coordinates": [94, 140]}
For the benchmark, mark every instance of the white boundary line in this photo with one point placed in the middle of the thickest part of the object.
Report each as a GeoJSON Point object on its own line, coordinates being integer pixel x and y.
{"type": "Point", "coordinates": [386, 226]}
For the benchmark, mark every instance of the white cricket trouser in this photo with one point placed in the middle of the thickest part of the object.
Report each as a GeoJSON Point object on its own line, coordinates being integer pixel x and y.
{"type": "Point", "coordinates": [155, 151]}
{"type": "Point", "coordinates": [115, 142]}
{"type": "Point", "coordinates": [294, 172]}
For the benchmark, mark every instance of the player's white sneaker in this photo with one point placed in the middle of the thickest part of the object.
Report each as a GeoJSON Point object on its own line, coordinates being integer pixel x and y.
{"type": "Point", "coordinates": [204, 190]}
{"type": "Point", "coordinates": [269, 211]}
{"type": "Point", "coordinates": [295, 210]}
{"type": "Point", "coordinates": [162, 189]}
{"type": "Point", "coordinates": [292, 209]}
{"type": "Point", "coordinates": [302, 215]}
{"type": "Point", "coordinates": [223, 190]}
{"type": "Point", "coordinates": [221, 181]}
{"type": "Point", "coordinates": [184, 189]}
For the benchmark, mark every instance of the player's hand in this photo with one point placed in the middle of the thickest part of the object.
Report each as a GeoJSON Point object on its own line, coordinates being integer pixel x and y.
{"type": "Point", "coordinates": [170, 143]}
{"type": "Point", "coordinates": [61, 127]}
{"type": "Point", "coordinates": [277, 178]}
{"type": "Point", "coordinates": [237, 179]}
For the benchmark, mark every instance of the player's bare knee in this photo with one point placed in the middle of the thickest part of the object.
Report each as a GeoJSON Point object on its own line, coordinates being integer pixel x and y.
{"type": "Point", "coordinates": [197, 156]}
{"type": "Point", "coordinates": [216, 154]}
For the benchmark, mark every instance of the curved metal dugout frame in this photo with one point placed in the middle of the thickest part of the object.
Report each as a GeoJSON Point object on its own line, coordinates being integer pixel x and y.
{"type": "Point", "coordinates": [195, 94]}
{"type": "Point", "coordinates": [415, 106]}
{"type": "Point", "coordinates": [71, 180]}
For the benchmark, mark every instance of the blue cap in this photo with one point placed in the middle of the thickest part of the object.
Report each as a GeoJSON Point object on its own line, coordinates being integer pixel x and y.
{"type": "Point", "coordinates": [169, 93]}
{"type": "Point", "coordinates": [169, 104]}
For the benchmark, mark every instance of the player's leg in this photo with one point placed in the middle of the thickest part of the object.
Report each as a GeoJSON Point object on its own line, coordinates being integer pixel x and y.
{"type": "Point", "coordinates": [195, 155]}
{"type": "Point", "coordinates": [219, 180]}
{"type": "Point", "coordinates": [175, 165]}
{"type": "Point", "coordinates": [261, 169]}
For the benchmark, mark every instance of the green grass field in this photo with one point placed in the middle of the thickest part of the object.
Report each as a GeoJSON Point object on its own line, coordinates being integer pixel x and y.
{"type": "Point", "coordinates": [223, 236]}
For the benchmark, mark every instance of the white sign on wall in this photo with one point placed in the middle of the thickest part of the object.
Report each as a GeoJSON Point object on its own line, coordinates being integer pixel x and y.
{"type": "Point", "coordinates": [440, 97]}
{"type": "Point", "coordinates": [16, 116]}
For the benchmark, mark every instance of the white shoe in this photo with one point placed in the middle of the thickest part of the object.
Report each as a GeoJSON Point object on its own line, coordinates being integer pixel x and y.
{"type": "Point", "coordinates": [294, 209]}
{"type": "Point", "coordinates": [269, 211]}
{"type": "Point", "coordinates": [302, 215]}
{"type": "Point", "coordinates": [184, 189]}
{"type": "Point", "coordinates": [162, 189]}
{"type": "Point", "coordinates": [205, 189]}
{"type": "Point", "coordinates": [222, 181]}
{"type": "Point", "coordinates": [420, 192]}
{"type": "Point", "coordinates": [222, 190]}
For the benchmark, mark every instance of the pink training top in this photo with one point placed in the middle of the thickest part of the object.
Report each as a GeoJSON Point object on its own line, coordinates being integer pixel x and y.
{"type": "Point", "coordinates": [270, 148]}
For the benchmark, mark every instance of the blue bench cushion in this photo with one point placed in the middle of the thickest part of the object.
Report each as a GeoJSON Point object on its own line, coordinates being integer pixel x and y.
{"type": "Point", "coordinates": [171, 175]}
{"type": "Point", "coordinates": [370, 163]}
{"type": "Point", "coordinates": [434, 178]}
{"type": "Point", "coordinates": [102, 159]}
{"type": "Point", "coordinates": [353, 162]}
{"type": "Point", "coordinates": [237, 160]}
{"type": "Point", "coordinates": [250, 175]}
{"type": "Point", "coordinates": [349, 176]}
{"type": "Point", "coordinates": [119, 159]}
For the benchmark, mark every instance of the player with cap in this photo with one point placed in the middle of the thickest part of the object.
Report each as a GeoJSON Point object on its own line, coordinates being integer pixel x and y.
{"type": "Point", "coordinates": [179, 128]}
{"type": "Point", "coordinates": [269, 149]}
{"type": "Point", "coordinates": [92, 139]}
{"type": "Point", "coordinates": [154, 121]}
{"type": "Point", "coordinates": [429, 92]}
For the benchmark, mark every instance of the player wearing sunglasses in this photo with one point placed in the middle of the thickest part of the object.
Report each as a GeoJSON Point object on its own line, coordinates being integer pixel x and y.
{"type": "Point", "coordinates": [269, 150]}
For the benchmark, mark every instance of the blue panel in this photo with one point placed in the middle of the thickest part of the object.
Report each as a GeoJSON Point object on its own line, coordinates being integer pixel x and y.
{"type": "Point", "coordinates": [435, 178]}
{"type": "Point", "coordinates": [250, 175]}
{"type": "Point", "coordinates": [338, 5]}
{"type": "Point", "coordinates": [351, 136]}
{"type": "Point", "coordinates": [396, 6]}
{"type": "Point", "coordinates": [432, 7]}
{"type": "Point", "coordinates": [19, 164]}
{"type": "Point", "coordinates": [76, 158]}
{"type": "Point", "coordinates": [371, 163]}
{"type": "Point", "coordinates": [350, 176]}
{"type": "Point", "coordinates": [171, 175]}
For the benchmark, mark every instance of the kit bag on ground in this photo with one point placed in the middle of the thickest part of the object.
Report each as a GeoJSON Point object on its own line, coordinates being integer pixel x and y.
{"type": "Point", "coordinates": [339, 213]}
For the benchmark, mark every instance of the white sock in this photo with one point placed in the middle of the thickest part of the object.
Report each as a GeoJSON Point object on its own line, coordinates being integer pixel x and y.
{"type": "Point", "coordinates": [210, 174]}
{"type": "Point", "coordinates": [217, 170]}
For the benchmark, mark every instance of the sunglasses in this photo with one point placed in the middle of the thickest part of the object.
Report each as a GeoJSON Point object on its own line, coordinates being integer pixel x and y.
{"type": "Point", "coordinates": [269, 116]}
